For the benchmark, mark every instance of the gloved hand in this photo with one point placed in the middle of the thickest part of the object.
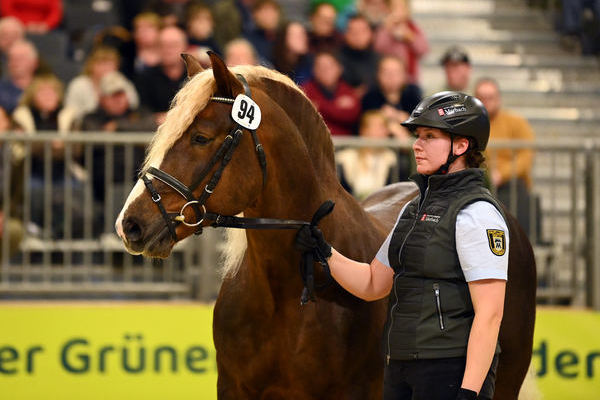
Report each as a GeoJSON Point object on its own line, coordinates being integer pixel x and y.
{"type": "Point", "coordinates": [310, 238]}
{"type": "Point", "coordinates": [466, 394]}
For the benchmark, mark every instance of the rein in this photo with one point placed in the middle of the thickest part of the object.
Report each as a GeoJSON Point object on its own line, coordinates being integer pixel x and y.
{"type": "Point", "coordinates": [224, 154]}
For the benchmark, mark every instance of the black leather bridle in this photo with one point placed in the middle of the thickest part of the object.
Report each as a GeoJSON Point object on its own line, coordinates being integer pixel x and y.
{"type": "Point", "coordinates": [224, 154]}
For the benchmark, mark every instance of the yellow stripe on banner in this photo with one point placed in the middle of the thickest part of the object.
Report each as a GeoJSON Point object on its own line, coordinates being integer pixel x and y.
{"type": "Point", "coordinates": [567, 354]}
{"type": "Point", "coordinates": [115, 351]}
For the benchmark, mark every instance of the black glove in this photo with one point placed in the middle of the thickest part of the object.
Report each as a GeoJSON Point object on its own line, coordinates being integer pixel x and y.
{"type": "Point", "coordinates": [466, 394]}
{"type": "Point", "coordinates": [310, 238]}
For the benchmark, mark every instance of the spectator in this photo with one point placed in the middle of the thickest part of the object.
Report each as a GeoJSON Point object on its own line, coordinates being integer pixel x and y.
{"type": "Point", "coordinates": [375, 11]}
{"type": "Point", "coordinates": [121, 40]}
{"type": "Point", "coordinates": [158, 85]}
{"type": "Point", "coordinates": [23, 61]}
{"type": "Point", "coordinates": [507, 166]}
{"type": "Point", "coordinates": [357, 55]}
{"type": "Point", "coordinates": [38, 16]}
{"type": "Point", "coordinates": [83, 91]}
{"type": "Point", "coordinates": [171, 12]}
{"type": "Point", "coordinates": [323, 34]}
{"type": "Point", "coordinates": [41, 109]}
{"type": "Point", "coordinates": [400, 36]}
{"type": "Point", "coordinates": [575, 35]}
{"type": "Point", "coordinates": [393, 95]}
{"type": "Point", "coordinates": [200, 27]}
{"type": "Point", "coordinates": [11, 31]}
{"type": "Point", "coordinates": [233, 18]}
{"type": "Point", "coordinates": [240, 52]}
{"type": "Point", "coordinates": [291, 52]}
{"type": "Point", "coordinates": [14, 227]}
{"type": "Point", "coordinates": [364, 170]}
{"type": "Point", "coordinates": [334, 99]}
{"type": "Point", "coordinates": [267, 18]}
{"type": "Point", "coordinates": [115, 114]}
{"type": "Point", "coordinates": [457, 67]}
{"type": "Point", "coordinates": [146, 29]}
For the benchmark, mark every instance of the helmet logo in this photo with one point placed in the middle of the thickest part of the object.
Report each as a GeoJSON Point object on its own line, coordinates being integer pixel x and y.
{"type": "Point", "coordinates": [440, 112]}
{"type": "Point", "coordinates": [452, 110]}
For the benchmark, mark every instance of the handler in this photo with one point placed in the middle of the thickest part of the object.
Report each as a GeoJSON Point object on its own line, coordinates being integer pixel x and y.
{"type": "Point", "coordinates": [445, 262]}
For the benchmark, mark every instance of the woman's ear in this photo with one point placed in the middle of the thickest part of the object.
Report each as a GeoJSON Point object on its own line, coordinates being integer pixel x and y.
{"type": "Point", "coordinates": [461, 145]}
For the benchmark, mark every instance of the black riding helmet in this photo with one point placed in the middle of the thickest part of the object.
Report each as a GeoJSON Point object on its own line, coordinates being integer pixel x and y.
{"type": "Point", "coordinates": [456, 114]}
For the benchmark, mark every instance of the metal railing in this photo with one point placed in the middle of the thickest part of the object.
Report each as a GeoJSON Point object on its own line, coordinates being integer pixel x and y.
{"type": "Point", "coordinates": [67, 208]}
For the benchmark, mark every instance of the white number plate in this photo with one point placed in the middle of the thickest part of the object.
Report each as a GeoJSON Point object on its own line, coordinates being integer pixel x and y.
{"type": "Point", "coordinates": [246, 112]}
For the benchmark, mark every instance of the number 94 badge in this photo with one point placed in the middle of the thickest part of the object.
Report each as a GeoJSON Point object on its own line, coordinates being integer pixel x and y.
{"type": "Point", "coordinates": [246, 112]}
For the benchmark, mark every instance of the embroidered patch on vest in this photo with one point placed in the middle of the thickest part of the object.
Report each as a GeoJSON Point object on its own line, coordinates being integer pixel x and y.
{"type": "Point", "coordinates": [497, 241]}
{"type": "Point", "coordinates": [430, 218]}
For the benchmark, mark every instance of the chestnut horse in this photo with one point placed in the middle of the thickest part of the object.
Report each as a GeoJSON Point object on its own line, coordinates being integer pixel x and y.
{"type": "Point", "coordinates": [268, 345]}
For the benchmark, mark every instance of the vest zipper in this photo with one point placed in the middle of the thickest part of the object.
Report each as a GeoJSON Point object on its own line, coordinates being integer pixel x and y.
{"type": "Point", "coordinates": [438, 304]}
{"type": "Point", "coordinates": [389, 348]}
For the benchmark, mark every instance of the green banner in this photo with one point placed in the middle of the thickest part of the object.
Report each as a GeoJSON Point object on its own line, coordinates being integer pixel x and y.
{"type": "Point", "coordinates": [165, 351]}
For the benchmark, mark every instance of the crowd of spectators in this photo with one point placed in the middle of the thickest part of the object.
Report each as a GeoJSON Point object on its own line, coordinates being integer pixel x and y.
{"type": "Point", "coordinates": [358, 61]}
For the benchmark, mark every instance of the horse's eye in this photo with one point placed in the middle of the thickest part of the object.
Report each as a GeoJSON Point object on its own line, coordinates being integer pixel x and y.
{"type": "Point", "coordinates": [202, 140]}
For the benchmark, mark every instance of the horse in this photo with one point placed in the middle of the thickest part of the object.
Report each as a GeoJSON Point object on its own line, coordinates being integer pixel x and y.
{"type": "Point", "coordinates": [211, 164]}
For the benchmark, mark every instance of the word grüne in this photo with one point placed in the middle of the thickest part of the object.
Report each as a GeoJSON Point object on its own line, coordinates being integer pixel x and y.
{"type": "Point", "coordinates": [568, 364]}
{"type": "Point", "coordinates": [79, 356]}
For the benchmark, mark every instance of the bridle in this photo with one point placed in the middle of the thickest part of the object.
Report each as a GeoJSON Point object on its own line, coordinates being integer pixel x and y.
{"type": "Point", "coordinates": [223, 155]}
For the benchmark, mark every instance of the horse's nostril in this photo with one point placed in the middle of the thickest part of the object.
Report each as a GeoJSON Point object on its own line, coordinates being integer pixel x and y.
{"type": "Point", "coordinates": [132, 230]}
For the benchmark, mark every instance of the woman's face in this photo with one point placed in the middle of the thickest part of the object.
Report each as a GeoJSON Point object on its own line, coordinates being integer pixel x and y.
{"type": "Point", "coordinates": [431, 149]}
{"type": "Point", "coordinates": [102, 67]}
{"type": "Point", "coordinates": [327, 70]}
{"type": "Point", "coordinates": [46, 98]}
{"type": "Point", "coordinates": [391, 75]}
{"type": "Point", "coordinates": [296, 39]}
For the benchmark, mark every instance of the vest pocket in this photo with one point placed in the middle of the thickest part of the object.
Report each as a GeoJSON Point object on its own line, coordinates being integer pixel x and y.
{"type": "Point", "coordinates": [438, 305]}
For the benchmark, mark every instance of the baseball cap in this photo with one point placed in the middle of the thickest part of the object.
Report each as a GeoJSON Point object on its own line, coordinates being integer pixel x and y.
{"type": "Point", "coordinates": [113, 82]}
{"type": "Point", "coordinates": [455, 54]}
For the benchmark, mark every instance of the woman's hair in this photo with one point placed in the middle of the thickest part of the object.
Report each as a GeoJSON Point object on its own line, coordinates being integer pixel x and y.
{"type": "Point", "coordinates": [284, 62]}
{"type": "Point", "coordinates": [101, 53]}
{"type": "Point", "coordinates": [27, 96]}
{"type": "Point", "coordinates": [474, 158]}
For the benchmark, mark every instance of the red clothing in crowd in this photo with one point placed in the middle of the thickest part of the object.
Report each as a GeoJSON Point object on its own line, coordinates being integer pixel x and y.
{"type": "Point", "coordinates": [340, 110]}
{"type": "Point", "coordinates": [49, 12]}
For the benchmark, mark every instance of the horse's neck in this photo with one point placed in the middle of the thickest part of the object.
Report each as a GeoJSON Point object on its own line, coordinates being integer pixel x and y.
{"type": "Point", "coordinates": [299, 181]}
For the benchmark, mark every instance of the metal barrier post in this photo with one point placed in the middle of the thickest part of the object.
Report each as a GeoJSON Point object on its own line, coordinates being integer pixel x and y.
{"type": "Point", "coordinates": [592, 188]}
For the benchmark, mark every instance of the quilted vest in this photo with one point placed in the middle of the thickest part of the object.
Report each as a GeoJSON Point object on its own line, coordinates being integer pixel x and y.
{"type": "Point", "coordinates": [430, 310]}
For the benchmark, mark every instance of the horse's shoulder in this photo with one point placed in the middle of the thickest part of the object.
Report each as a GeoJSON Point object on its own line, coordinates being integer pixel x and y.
{"type": "Point", "coordinates": [385, 204]}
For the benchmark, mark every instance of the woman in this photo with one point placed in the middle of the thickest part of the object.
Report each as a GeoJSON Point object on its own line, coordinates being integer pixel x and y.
{"type": "Point", "coordinates": [83, 92]}
{"type": "Point", "coordinates": [291, 52]}
{"type": "Point", "coordinates": [41, 109]}
{"type": "Point", "coordinates": [446, 261]}
{"type": "Point", "coordinates": [400, 36]}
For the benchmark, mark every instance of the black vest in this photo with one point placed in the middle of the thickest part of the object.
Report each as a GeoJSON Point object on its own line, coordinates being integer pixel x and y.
{"type": "Point", "coordinates": [430, 312]}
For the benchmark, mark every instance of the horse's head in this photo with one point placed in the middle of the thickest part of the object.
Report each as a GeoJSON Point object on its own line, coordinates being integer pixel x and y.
{"type": "Point", "coordinates": [206, 139]}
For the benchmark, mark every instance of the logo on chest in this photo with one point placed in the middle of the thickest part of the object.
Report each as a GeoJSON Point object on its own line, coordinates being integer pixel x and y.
{"type": "Point", "coordinates": [430, 218]}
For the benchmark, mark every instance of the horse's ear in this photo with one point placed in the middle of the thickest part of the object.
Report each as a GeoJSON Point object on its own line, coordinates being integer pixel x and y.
{"type": "Point", "coordinates": [227, 84]}
{"type": "Point", "coordinates": [191, 64]}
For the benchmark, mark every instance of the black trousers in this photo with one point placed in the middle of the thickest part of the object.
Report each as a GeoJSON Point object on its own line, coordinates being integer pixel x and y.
{"type": "Point", "coordinates": [435, 379]}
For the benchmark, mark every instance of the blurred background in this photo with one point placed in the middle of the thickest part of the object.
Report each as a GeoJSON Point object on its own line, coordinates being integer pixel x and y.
{"type": "Point", "coordinates": [85, 83]}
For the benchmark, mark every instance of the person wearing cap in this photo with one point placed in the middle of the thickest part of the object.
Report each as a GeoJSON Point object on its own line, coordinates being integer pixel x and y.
{"type": "Point", "coordinates": [457, 67]}
{"type": "Point", "coordinates": [115, 114]}
{"type": "Point", "coordinates": [443, 266]}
